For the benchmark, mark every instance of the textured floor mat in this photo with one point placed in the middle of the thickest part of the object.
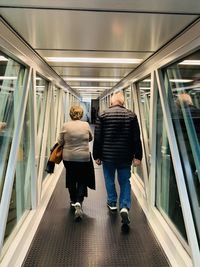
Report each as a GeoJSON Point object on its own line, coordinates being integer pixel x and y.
{"type": "Point", "coordinates": [96, 241]}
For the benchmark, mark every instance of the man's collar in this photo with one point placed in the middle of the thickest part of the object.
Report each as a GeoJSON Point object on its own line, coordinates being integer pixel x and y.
{"type": "Point", "coordinates": [117, 105]}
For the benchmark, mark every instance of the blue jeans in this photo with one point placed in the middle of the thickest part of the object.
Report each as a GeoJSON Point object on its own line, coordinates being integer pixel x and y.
{"type": "Point", "coordinates": [123, 175]}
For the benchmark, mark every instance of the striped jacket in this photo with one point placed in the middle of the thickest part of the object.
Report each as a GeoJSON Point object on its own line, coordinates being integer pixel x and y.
{"type": "Point", "coordinates": [117, 136]}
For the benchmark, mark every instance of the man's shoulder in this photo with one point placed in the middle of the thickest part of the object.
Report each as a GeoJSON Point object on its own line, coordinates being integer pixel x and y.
{"type": "Point", "coordinates": [117, 110]}
{"type": "Point", "coordinates": [130, 112]}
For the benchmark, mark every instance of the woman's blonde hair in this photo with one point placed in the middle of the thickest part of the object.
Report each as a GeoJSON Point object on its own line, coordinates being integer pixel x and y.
{"type": "Point", "coordinates": [76, 112]}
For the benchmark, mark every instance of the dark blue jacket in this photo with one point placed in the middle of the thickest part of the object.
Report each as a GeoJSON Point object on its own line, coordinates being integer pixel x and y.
{"type": "Point", "coordinates": [117, 136]}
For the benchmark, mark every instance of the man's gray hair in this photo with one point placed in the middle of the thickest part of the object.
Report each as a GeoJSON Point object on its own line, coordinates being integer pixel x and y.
{"type": "Point", "coordinates": [117, 98]}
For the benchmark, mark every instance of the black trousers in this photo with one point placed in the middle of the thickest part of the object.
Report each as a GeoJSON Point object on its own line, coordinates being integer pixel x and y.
{"type": "Point", "coordinates": [75, 183]}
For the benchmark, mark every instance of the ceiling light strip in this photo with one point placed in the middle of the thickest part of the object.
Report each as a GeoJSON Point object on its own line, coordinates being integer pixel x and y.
{"type": "Point", "coordinates": [94, 60]}
{"type": "Point", "coordinates": [91, 87]}
{"type": "Point", "coordinates": [181, 80]}
{"type": "Point", "coordinates": [91, 79]}
{"type": "Point", "coordinates": [190, 62]}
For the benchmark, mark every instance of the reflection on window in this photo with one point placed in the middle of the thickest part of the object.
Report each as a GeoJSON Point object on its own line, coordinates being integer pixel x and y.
{"type": "Point", "coordinates": [182, 83]}
{"type": "Point", "coordinates": [167, 197]}
{"type": "Point", "coordinates": [11, 84]}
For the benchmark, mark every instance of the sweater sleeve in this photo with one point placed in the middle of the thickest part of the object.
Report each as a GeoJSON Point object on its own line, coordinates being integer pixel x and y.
{"type": "Point", "coordinates": [97, 145]}
{"type": "Point", "coordinates": [60, 138]}
{"type": "Point", "coordinates": [90, 133]}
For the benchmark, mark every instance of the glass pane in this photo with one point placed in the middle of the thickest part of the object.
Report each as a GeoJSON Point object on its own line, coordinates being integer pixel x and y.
{"type": "Point", "coordinates": [144, 87]}
{"type": "Point", "coordinates": [21, 194]}
{"type": "Point", "coordinates": [47, 151]}
{"type": "Point", "coordinates": [128, 98]}
{"type": "Point", "coordinates": [51, 133]}
{"type": "Point", "coordinates": [11, 85]}
{"type": "Point", "coordinates": [66, 106]}
{"type": "Point", "coordinates": [41, 99]}
{"type": "Point", "coordinates": [55, 105]}
{"type": "Point", "coordinates": [167, 197]}
{"type": "Point", "coordinates": [182, 83]}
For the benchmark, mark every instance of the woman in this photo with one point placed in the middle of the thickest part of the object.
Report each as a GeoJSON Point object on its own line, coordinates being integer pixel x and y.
{"type": "Point", "coordinates": [75, 137]}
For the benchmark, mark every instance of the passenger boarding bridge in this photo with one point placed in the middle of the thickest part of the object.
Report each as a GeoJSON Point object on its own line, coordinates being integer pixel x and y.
{"type": "Point", "coordinates": [54, 54]}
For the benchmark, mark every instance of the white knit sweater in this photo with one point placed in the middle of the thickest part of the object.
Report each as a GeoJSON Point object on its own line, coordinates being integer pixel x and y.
{"type": "Point", "coordinates": [75, 137]}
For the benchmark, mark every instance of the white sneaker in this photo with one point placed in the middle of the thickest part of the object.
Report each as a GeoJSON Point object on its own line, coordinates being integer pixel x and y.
{"type": "Point", "coordinates": [112, 206]}
{"type": "Point", "coordinates": [78, 211]}
{"type": "Point", "coordinates": [124, 216]}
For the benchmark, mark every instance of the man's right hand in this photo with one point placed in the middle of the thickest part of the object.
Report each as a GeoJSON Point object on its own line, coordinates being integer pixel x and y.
{"type": "Point", "coordinates": [136, 162]}
{"type": "Point", "coordinates": [98, 161]}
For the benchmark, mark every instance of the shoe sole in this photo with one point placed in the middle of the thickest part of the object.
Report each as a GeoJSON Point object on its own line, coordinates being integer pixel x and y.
{"type": "Point", "coordinates": [78, 213]}
{"type": "Point", "coordinates": [112, 208]}
{"type": "Point", "coordinates": [125, 218]}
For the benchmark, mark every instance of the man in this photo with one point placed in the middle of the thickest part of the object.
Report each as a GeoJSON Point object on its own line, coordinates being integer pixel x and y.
{"type": "Point", "coordinates": [117, 145]}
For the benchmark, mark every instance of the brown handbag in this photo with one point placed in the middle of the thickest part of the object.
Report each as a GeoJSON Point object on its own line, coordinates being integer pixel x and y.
{"type": "Point", "coordinates": [56, 154]}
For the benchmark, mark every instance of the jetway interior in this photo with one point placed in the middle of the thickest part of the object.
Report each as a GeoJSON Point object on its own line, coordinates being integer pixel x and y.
{"type": "Point", "coordinates": [93, 45]}
{"type": "Point", "coordinates": [56, 54]}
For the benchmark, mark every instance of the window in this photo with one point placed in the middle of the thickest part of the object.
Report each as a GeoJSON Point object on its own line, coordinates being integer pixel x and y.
{"type": "Point", "coordinates": [167, 197]}
{"type": "Point", "coordinates": [182, 83]}
{"type": "Point", "coordinates": [11, 84]}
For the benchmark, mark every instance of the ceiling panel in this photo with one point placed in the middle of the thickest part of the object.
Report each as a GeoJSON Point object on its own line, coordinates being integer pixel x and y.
{"type": "Point", "coordinates": [185, 6]}
{"type": "Point", "coordinates": [96, 70]}
{"type": "Point", "coordinates": [103, 84]}
{"type": "Point", "coordinates": [94, 65]}
{"type": "Point", "coordinates": [67, 52]}
{"type": "Point", "coordinates": [58, 29]}
{"type": "Point", "coordinates": [101, 31]}
{"type": "Point", "coordinates": [92, 71]}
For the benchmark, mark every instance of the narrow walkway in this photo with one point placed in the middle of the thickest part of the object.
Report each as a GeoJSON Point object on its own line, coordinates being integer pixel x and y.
{"type": "Point", "coordinates": [96, 241]}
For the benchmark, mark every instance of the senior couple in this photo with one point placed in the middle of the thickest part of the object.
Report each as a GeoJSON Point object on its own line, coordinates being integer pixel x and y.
{"type": "Point", "coordinates": [116, 146]}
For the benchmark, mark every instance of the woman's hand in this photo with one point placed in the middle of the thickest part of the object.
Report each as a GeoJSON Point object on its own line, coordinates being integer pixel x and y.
{"type": "Point", "coordinates": [98, 161]}
{"type": "Point", "coordinates": [136, 162]}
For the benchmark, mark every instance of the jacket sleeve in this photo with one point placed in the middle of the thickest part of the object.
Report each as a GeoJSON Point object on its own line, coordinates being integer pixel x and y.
{"type": "Point", "coordinates": [97, 145]}
{"type": "Point", "coordinates": [137, 145]}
